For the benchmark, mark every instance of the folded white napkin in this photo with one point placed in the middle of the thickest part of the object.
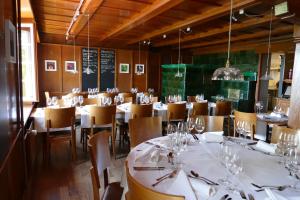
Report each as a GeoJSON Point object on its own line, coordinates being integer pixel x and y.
{"type": "Point", "coordinates": [202, 189]}
{"type": "Point", "coordinates": [274, 196]}
{"type": "Point", "coordinates": [277, 115]}
{"type": "Point", "coordinates": [155, 156]}
{"type": "Point", "coordinates": [213, 136]}
{"type": "Point", "coordinates": [146, 151]}
{"type": "Point", "coordinates": [269, 148]}
{"type": "Point", "coordinates": [181, 186]}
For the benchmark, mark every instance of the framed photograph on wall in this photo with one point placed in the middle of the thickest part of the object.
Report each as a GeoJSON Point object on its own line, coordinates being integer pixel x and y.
{"type": "Point", "coordinates": [10, 42]}
{"type": "Point", "coordinates": [124, 68]}
{"type": "Point", "coordinates": [139, 68]}
{"type": "Point", "coordinates": [70, 66]}
{"type": "Point", "coordinates": [50, 65]}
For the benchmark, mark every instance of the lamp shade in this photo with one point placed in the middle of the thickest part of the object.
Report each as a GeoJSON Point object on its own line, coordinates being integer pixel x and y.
{"type": "Point", "coordinates": [227, 73]}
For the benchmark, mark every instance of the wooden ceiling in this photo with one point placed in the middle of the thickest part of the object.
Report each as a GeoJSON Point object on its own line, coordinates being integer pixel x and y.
{"type": "Point", "coordinates": [125, 23]}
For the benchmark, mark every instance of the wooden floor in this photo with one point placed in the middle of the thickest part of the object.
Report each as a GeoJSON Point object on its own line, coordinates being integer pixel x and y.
{"type": "Point", "coordinates": [64, 179]}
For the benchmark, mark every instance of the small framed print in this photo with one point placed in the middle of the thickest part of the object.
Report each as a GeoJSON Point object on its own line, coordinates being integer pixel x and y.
{"type": "Point", "coordinates": [124, 68]}
{"type": "Point", "coordinates": [139, 68]}
{"type": "Point", "coordinates": [70, 66]}
{"type": "Point", "coordinates": [10, 41]}
{"type": "Point", "coordinates": [50, 65]}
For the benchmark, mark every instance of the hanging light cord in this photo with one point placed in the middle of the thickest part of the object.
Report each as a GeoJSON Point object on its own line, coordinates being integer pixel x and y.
{"type": "Point", "coordinates": [229, 32]}
{"type": "Point", "coordinates": [179, 36]}
{"type": "Point", "coordinates": [269, 42]}
{"type": "Point", "coordinates": [88, 15]}
{"type": "Point", "coordinates": [74, 48]}
{"type": "Point", "coordinates": [139, 52]}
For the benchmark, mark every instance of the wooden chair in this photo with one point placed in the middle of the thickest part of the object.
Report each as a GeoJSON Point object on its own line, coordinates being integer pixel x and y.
{"type": "Point", "coordinates": [200, 108]}
{"type": "Point", "coordinates": [103, 117]}
{"type": "Point", "coordinates": [213, 123]}
{"type": "Point", "coordinates": [176, 111]}
{"type": "Point", "coordinates": [100, 159]}
{"type": "Point", "coordinates": [60, 118]}
{"type": "Point", "coordinates": [137, 191]}
{"type": "Point", "coordinates": [143, 129]}
{"type": "Point", "coordinates": [141, 110]}
{"type": "Point", "coordinates": [223, 108]}
{"type": "Point", "coordinates": [105, 94]}
{"type": "Point", "coordinates": [247, 117]}
{"type": "Point", "coordinates": [90, 101]}
{"type": "Point", "coordinates": [47, 95]}
{"type": "Point", "coordinates": [154, 99]}
{"type": "Point", "coordinates": [84, 94]}
{"type": "Point", "coordinates": [128, 97]}
{"type": "Point", "coordinates": [191, 99]}
{"type": "Point", "coordinates": [276, 130]}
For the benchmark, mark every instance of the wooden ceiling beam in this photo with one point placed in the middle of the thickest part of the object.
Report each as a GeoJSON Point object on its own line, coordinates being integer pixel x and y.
{"type": "Point", "coordinates": [215, 31]}
{"type": "Point", "coordinates": [158, 7]}
{"type": "Point", "coordinates": [282, 30]}
{"type": "Point", "coordinates": [89, 7]}
{"type": "Point", "coordinates": [208, 15]}
{"type": "Point", "coordinates": [208, 2]}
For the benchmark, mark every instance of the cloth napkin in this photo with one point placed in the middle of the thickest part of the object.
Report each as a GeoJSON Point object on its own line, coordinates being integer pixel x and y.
{"type": "Point", "coordinates": [144, 153]}
{"type": "Point", "coordinates": [273, 195]}
{"type": "Point", "coordinates": [201, 189]}
{"type": "Point", "coordinates": [269, 148]}
{"type": "Point", "coordinates": [213, 136]}
{"type": "Point", "coordinates": [277, 115]}
{"type": "Point", "coordinates": [181, 185]}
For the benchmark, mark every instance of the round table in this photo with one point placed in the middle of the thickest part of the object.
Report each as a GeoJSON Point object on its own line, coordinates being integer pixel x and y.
{"type": "Point", "coordinates": [203, 158]}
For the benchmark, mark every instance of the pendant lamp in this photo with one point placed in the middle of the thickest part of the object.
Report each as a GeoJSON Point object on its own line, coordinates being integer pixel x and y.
{"type": "Point", "coordinates": [228, 72]}
{"type": "Point", "coordinates": [178, 74]}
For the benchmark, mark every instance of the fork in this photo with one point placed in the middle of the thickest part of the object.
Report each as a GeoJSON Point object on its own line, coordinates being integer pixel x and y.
{"type": "Point", "coordinates": [171, 175]}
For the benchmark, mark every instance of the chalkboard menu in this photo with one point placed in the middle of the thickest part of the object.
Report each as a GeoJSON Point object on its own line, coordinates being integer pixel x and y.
{"type": "Point", "coordinates": [107, 69]}
{"type": "Point", "coordinates": [89, 68]}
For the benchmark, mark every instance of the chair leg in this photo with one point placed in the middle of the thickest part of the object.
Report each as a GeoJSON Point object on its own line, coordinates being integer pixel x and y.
{"type": "Point", "coordinates": [73, 141]}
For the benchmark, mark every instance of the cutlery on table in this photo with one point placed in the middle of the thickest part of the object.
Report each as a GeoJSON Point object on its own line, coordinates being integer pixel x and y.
{"type": "Point", "coordinates": [166, 175]}
{"type": "Point", "coordinates": [251, 197]}
{"type": "Point", "coordinates": [196, 175]}
{"type": "Point", "coordinates": [148, 168]}
{"type": "Point", "coordinates": [243, 195]}
{"type": "Point", "coordinates": [171, 175]}
{"type": "Point", "coordinates": [224, 197]}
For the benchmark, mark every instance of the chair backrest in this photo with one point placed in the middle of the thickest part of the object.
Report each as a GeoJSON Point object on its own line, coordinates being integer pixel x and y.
{"type": "Point", "coordinates": [141, 110]}
{"type": "Point", "coordinates": [176, 111]}
{"type": "Point", "coordinates": [100, 156]}
{"type": "Point", "coordinates": [143, 129]}
{"type": "Point", "coordinates": [276, 130]}
{"type": "Point", "coordinates": [213, 123]}
{"type": "Point", "coordinates": [84, 94]}
{"type": "Point", "coordinates": [223, 108]}
{"type": "Point", "coordinates": [247, 117]}
{"type": "Point", "coordinates": [47, 95]}
{"type": "Point", "coordinates": [191, 98]}
{"type": "Point", "coordinates": [200, 108]}
{"type": "Point", "coordinates": [154, 99]}
{"type": "Point", "coordinates": [105, 94]}
{"type": "Point", "coordinates": [102, 115]}
{"type": "Point", "coordinates": [137, 191]}
{"type": "Point", "coordinates": [60, 117]}
{"type": "Point", "coordinates": [90, 101]}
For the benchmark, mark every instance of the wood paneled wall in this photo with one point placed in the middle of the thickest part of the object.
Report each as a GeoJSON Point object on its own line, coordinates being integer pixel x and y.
{"type": "Point", "coordinates": [12, 155]}
{"type": "Point", "coordinates": [62, 81]}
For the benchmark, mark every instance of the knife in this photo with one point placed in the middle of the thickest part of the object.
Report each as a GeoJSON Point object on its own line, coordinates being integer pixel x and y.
{"type": "Point", "coordinates": [148, 168]}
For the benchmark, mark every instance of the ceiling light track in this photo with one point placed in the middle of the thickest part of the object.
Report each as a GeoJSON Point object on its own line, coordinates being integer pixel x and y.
{"type": "Point", "coordinates": [75, 17]}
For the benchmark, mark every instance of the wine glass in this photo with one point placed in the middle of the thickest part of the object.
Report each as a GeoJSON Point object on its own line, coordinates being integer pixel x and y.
{"type": "Point", "coordinates": [258, 107]}
{"type": "Point", "coordinates": [49, 101]}
{"type": "Point", "coordinates": [191, 124]}
{"type": "Point", "coordinates": [54, 100]}
{"type": "Point", "coordinates": [199, 124]}
{"type": "Point", "coordinates": [109, 101]}
{"type": "Point", "coordinates": [121, 99]}
{"type": "Point", "coordinates": [80, 99]}
{"type": "Point", "coordinates": [282, 146]}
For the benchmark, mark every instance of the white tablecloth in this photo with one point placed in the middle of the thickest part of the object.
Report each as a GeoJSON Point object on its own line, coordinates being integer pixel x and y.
{"type": "Point", "coordinates": [203, 158]}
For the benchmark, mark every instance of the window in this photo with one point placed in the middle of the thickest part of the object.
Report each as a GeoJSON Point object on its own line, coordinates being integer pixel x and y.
{"type": "Point", "coordinates": [28, 63]}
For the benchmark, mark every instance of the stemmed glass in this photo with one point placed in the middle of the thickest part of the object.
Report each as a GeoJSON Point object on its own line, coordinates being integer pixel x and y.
{"type": "Point", "coordinates": [54, 101]}
{"type": "Point", "coordinates": [108, 101]}
{"type": "Point", "coordinates": [121, 98]}
{"type": "Point", "coordinates": [294, 165]}
{"type": "Point", "coordinates": [191, 124]}
{"type": "Point", "coordinates": [49, 101]}
{"type": "Point", "coordinates": [259, 106]}
{"type": "Point", "coordinates": [80, 99]}
{"type": "Point", "coordinates": [282, 146]}
{"type": "Point", "coordinates": [199, 124]}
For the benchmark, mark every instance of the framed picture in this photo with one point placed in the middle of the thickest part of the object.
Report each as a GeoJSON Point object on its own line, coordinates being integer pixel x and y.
{"type": "Point", "coordinates": [139, 68]}
{"type": "Point", "coordinates": [70, 66]}
{"type": "Point", "coordinates": [50, 65]}
{"type": "Point", "coordinates": [10, 42]}
{"type": "Point", "coordinates": [124, 68]}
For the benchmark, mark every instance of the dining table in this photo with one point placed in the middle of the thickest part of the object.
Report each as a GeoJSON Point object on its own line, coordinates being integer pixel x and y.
{"type": "Point", "coordinates": [123, 112]}
{"type": "Point", "coordinates": [259, 167]}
